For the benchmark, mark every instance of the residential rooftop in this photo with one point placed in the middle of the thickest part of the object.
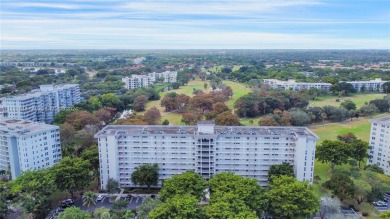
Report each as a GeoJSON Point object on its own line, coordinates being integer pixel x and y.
{"type": "Point", "coordinates": [21, 127]}
{"type": "Point", "coordinates": [43, 89]}
{"type": "Point", "coordinates": [119, 130]}
{"type": "Point", "coordinates": [384, 120]}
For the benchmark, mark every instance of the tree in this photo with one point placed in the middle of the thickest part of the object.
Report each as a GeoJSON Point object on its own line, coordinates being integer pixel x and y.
{"type": "Point", "coordinates": [33, 189]}
{"type": "Point", "coordinates": [67, 132]}
{"type": "Point", "coordinates": [348, 104]}
{"type": "Point", "coordinates": [5, 196]}
{"type": "Point", "coordinates": [386, 87]}
{"type": "Point", "coordinates": [369, 109]}
{"type": "Point", "coordinates": [299, 117]}
{"type": "Point", "coordinates": [119, 208]}
{"type": "Point", "coordinates": [227, 119]}
{"type": "Point", "coordinates": [95, 103]}
{"type": "Point", "coordinates": [268, 121]}
{"type": "Point", "coordinates": [362, 189]}
{"type": "Point", "coordinates": [329, 207]}
{"type": "Point", "coordinates": [202, 102]}
{"type": "Point", "coordinates": [359, 150]}
{"type": "Point", "coordinates": [205, 85]}
{"type": "Point", "coordinates": [60, 117]}
{"type": "Point", "coordinates": [289, 198]}
{"type": "Point", "coordinates": [112, 186]}
{"type": "Point", "coordinates": [72, 174]}
{"type": "Point", "coordinates": [146, 207]}
{"type": "Point", "coordinates": [227, 92]}
{"type": "Point", "coordinates": [188, 182]}
{"type": "Point", "coordinates": [385, 214]}
{"type": "Point", "coordinates": [146, 174]}
{"type": "Point", "coordinates": [277, 170]}
{"type": "Point", "coordinates": [382, 105]}
{"type": "Point", "coordinates": [91, 154]}
{"type": "Point", "coordinates": [228, 206]}
{"type": "Point", "coordinates": [179, 207]}
{"type": "Point", "coordinates": [341, 186]}
{"type": "Point", "coordinates": [111, 100]}
{"type": "Point", "coordinates": [190, 118]}
{"type": "Point", "coordinates": [132, 120]}
{"type": "Point", "coordinates": [375, 168]}
{"type": "Point", "coordinates": [99, 213]}
{"type": "Point", "coordinates": [74, 213]}
{"type": "Point", "coordinates": [165, 122]}
{"type": "Point", "coordinates": [152, 116]}
{"type": "Point", "coordinates": [333, 152]}
{"type": "Point", "coordinates": [105, 114]}
{"type": "Point", "coordinates": [218, 108]}
{"type": "Point", "coordinates": [80, 119]}
{"type": "Point", "coordinates": [347, 138]}
{"type": "Point", "coordinates": [247, 190]}
{"type": "Point", "coordinates": [140, 103]}
{"type": "Point", "coordinates": [89, 198]}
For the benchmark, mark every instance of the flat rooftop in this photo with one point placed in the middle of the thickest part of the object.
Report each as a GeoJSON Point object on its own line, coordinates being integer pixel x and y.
{"type": "Point", "coordinates": [113, 130]}
{"type": "Point", "coordinates": [22, 127]}
{"type": "Point", "coordinates": [384, 120]}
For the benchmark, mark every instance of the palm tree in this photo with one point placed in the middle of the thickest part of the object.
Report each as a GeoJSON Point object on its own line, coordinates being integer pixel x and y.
{"type": "Point", "coordinates": [89, 198]}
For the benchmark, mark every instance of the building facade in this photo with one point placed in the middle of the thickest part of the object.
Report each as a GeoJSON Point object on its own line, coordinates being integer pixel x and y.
{"type": "Point", "coordinates": [42, 104]}
{"type": "Point", "coordinates": [295, 86]}
{"type": "Point", "coordinates": [368, 86]}
{"type": "Point", "coordinates": [28, 146]}
{"type": "Point", "coordinates": [137, 81]}
{"type": "Point", "coordinates": [379, 152]}
{"type": "Point", "coordinates": [206, 149]}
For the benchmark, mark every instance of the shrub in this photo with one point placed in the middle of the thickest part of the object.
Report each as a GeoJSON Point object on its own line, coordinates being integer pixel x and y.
{"type": "Point", "coordinates": [365, 214]}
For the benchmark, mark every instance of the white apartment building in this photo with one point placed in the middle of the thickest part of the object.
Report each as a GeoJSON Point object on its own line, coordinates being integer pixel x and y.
{"type": "Point", "coordinates": [295, 86]}
{"type": "Point", "coordinates": [206, 149]}
{"type": "Point", "coordinates": [368, 86]}
{"type": "Point", "coordinates": [379, 152]}
{"type": "Point", "coordinates": [42, 104]}
{"type": "Point", "coordinates": [28, 146]}
{"type": "Point", "coordinates": [136, 81]}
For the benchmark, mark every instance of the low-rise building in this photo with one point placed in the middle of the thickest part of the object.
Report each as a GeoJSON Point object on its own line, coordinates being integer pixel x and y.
{"type": "Point", "coordinates": [295, 86]}
{"type": "Point", "coordinates": [28, 146]}
{"type": "Point", "coordinates": [379, 152]}
{"type": "Point", "coordinates": [42, 104]}
{"type": "Point", "coordinates": [137, 81]}
{"type": "Point", "coordinates": [206, 149]}
{"type": "Point", "coordinates": [368, 86]}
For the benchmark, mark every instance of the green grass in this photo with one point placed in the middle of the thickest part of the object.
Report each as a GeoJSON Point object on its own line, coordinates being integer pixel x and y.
{"type": "Point", "coordinates": [245, 121]}
{"type": "Point", "coordinates": [218, 68]}
{"type": "Point", "coordinates": [359, 99]}
{"type": "Point", "coordinates": [239, 90]}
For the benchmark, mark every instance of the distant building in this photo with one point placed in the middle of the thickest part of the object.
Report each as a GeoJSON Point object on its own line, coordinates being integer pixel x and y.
{"type": "Point", "coordinates": [206, 149]}
{"type": "Point", "coordinates": [139, 60]}
{"type": "Point", "coordinates": [28, 146]}
{"type": "Point", "coordinates": [136, 81]}
{"type": "Point", "coordinates": [368, 86]}
{"type": "Point", "coordinates": [42, 104]}
{"type": "Point", "coordinates": [379, 152]}
{"type": "Point", "coordinates": [295, 86]}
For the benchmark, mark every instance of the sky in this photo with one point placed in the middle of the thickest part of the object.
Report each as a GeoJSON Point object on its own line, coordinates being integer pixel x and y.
{"type": "Point", "coordinates": [195, 24]}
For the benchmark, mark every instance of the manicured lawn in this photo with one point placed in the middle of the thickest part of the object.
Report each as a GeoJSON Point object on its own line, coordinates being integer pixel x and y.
{"type": "Point", "coordinates": [239, 90]}
{"type": "Point", "coordinates": [219, 68]}
{"type": "Point", "coordinates": [245, 121]}
{"type": "Point", "coordinates": [359, 99]}
{"type": "Point", "coordinates": [173, 118]}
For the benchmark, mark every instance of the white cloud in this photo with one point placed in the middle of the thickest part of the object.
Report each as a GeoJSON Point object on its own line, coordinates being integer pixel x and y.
{"type": "Point", "coordinates": [44, 5]}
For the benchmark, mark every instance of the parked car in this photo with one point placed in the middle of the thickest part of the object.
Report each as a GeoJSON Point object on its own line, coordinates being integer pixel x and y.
{"type": "Point", "coordinates": [100, 198]}
{"type": "Point", "coordinates": [67, 203]}
{"type": "Point", "coordinates": [380, 204]}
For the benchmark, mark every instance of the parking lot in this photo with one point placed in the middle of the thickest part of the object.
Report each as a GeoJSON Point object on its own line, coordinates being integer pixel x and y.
{"type": "Point", "coordinates": [134, 202]}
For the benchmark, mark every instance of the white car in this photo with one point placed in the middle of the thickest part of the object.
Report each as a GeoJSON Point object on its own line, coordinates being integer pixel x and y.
{"type": "Point", "coordinates": [100, 198]}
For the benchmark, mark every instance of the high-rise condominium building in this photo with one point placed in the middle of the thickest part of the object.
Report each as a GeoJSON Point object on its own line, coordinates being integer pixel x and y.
{"type": "Point", "coordinates": [42, 104]}
{"type": "Point", "coordinates": [28, 146]}
{"type": "Point", "coordinates": [295, 86]}
{"type": "Point", "coordinates": [136, 81]}
{"type": "Point", "coordinates": [379, 152]}
{"type": "Point", "coordinates": [206, 149]}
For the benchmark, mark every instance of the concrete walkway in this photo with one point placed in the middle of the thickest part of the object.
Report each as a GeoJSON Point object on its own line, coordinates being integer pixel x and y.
{"type": "Point", "coordinates": [119, 195]}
